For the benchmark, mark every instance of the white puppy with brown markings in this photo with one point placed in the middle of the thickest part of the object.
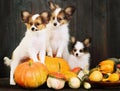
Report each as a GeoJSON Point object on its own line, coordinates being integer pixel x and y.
{"type": "Point", "coordinates": [58, 27]}
{"type": "Point", "coordinates": [34, 42]}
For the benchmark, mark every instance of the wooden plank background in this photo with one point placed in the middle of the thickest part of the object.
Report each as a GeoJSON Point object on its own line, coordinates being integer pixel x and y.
{"type": "Point", "coordinates": [99, 19]}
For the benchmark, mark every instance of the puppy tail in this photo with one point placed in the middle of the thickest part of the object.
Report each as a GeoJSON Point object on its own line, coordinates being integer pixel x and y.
{"type": "Point", "coordinates": [7, 61]}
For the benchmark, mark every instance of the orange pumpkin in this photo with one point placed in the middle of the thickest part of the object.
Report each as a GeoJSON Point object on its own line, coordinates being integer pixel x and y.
{"type": "Point", "coordinates": [30, 74]}
{"type": "Point", "coordinates": [56, 64]}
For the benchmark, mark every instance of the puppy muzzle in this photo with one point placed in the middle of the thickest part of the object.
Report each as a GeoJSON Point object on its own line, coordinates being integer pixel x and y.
{"type": "Point", "coordinates": [34, 29]}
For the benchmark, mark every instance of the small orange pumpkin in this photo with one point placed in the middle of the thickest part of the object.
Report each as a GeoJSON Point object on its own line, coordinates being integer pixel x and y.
{"type": "Point", "coordinates": [55, 64]}
{"type": "Point", "coordinates": [30, 74]}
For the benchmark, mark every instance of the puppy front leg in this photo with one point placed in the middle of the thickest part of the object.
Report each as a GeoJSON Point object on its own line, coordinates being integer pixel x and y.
{"type": "Point", "coordinates": [33, 56]}
{"type": "Point", "coordinates": [49, 49]}
{"type": "Point", "coordinates": [60, 51]}
{"type": "Point", "coordinates": [49, 52]}
{"type": "Point", "coordinates": [42, 56]}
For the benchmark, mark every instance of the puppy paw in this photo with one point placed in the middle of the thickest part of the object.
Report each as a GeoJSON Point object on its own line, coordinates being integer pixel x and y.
{"type": "Point", "coordinates": [50, 54]}
{"type": "Point", "coordinates": [59, 55]}
{"type": "Point", "coordinates": [12, 82]}
{"type": "Point", "coordinates": [42, 62]}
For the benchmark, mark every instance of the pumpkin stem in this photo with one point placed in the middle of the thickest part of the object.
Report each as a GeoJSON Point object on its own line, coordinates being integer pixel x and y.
{"type": "Point", "coordinates": [30, 63]}
{"type": "Point", "coordinates": [59, 67]}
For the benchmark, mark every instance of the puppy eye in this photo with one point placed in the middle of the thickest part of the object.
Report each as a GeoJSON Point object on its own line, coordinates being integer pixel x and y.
{"type": "Point", "coordinates": [80, 50]}
{"type": "Point", "coordinates": [74, 50]}
{"type": "Point", "coordinates": [53, 18]}
{"type": "Point", "coordinates": [37, 24]}
{"type": "Point", "coordinates": [59, 19]}
{"type": "Point", "coordinates": [31, 23]}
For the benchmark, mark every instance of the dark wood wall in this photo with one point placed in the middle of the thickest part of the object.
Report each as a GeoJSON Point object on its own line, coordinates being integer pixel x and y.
{"type": "Point", "coordinates": [99, 19]}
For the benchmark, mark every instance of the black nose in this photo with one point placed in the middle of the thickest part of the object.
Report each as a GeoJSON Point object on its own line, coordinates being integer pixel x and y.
{"type": "Point", "coordinates": [55, 24]}
{"type": "Point", "coordinates": [32, 28]}
{"type": "Point", "coordinates": [76, 54]}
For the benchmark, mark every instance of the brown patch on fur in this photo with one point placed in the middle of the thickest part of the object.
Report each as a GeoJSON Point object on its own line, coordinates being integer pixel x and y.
{"type": "Point", "coordinates": [38, 23]}
{"type": "Point", "coordinates": [52, 17]}
{"type": "Point", "coordinates": [62, 17]}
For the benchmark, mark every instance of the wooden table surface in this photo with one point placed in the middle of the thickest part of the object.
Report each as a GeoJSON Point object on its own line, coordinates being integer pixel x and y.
{"type": "Point", "coordinates": [4, 86]}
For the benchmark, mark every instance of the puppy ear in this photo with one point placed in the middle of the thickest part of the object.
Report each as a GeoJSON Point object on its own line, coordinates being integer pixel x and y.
{"type": "Point", "coordinates": [45, 17]}
{"type": "Point", "coordinates": [52, 5]}
{"type": "Point", "coordinates": [25, 16]}
{"type": "Point", "coordinates": [69, 11]}
{"type": "Point", "coordinates": [72, 39]}
{"type": "Point", "coordinates": [87, 42]}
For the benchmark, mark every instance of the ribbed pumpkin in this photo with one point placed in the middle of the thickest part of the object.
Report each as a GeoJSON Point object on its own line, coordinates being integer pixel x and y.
{"type": "Point", "coordinates": [53, 64]}
{"type": "Point", "coordinates": [30, 74]}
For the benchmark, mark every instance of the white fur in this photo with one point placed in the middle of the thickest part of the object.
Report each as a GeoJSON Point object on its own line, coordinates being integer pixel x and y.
{"type": "Point", "coordinates": [34, 42]}
{"type": "Point", "coordinates": [35, 16]}
{"type": "Point", "coordinates": [59, 38]}
{"type": "Point", "coordinates": [78, 46]}
{"type": "Point", "coordinates": [82, 60]}
{"type": "Point", "coordinates": [57, 11]}
{"type": "Point", "coordinates": [7, 61]}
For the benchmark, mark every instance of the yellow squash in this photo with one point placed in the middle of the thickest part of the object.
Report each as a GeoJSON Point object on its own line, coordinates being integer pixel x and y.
{"type": "Point", "coordinates": [106, 66]}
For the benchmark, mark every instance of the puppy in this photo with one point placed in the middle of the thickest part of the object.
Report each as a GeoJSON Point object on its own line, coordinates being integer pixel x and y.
{"type": "Point", "coordinates": [80, 56]}
{"type": "Point", "coordinates": [59, 30]}
{"type": "Point", "coordinates": [33, 43]}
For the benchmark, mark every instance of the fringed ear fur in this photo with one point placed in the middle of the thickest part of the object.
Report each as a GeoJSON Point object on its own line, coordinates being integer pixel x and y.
{"type": "Point", "coordinates": [52, 5]}
{"type": "Point", "coordinates": [45, 17]}
{"type": "Point", "coordinates": [72, 39]}
{"type": "Point", "coordinates": [87, 42]}
{"type": "Point", "coordinates": [69, 11]}
{"type": "Point", "coordinates": [25, 16]}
